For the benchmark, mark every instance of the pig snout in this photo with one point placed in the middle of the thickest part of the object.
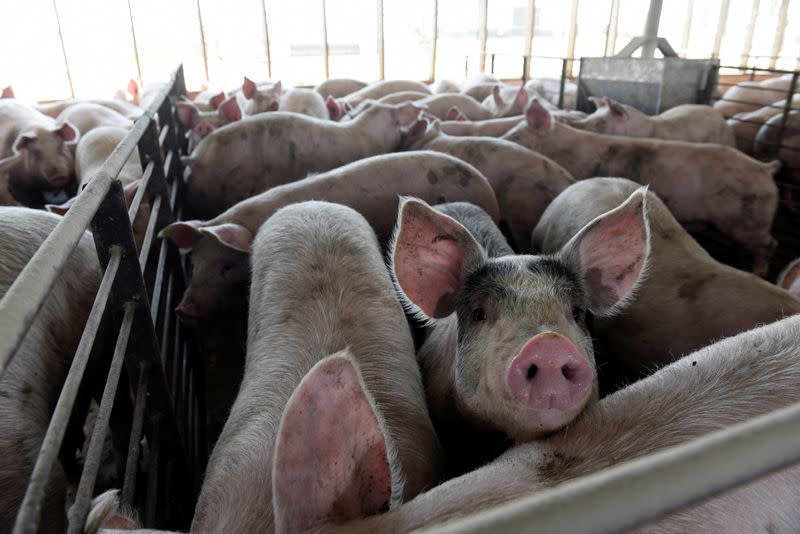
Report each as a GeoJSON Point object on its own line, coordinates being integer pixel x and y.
{"type": "Point", "coordinates": [188, 313]}
{"type": "Point", "coordinates": [59, 180]}
{"type": "Point", "coordinates": [550, 374]}
{"type": "Point", "coordinates": [202, 129]}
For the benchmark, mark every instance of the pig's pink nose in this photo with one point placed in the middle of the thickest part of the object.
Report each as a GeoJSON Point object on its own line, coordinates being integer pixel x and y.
{"type": "Point", "coordinates": [550, 373]}
{"type": "Point", "coordinates": [187, 314]}
{"type": "Point", "coordinates": [203, 129]}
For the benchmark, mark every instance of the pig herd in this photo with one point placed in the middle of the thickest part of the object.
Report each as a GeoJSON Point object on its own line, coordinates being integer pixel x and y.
{"type": "Point", "coordinates": [455, 295]}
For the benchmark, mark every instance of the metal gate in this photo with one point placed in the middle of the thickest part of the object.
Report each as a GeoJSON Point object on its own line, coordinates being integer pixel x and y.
{"type": "Point", "coordinates": [161, 389]}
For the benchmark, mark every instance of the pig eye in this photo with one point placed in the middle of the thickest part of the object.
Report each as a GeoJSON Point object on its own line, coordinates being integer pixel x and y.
{"type": "Point", "coordinates": [226, 268]}
{"type": "Point", "coordinates": [478, 314]}
{"type": "Point", "coordinates": [578, 314]}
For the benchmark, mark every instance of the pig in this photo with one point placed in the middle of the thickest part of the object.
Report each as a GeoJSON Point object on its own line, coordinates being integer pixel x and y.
{"type": "Point", "coordinates": [403, 96]}
{"type": "Point", "coordinates": [247, 157]}
{"type": "Point", "coordinates": [380, 89]}
{"type": "Point", "coordinates": [32, 380]}
{"type": "Point", "coordinates": [8, 92]}
{"type": "Point", "coordinates": [788, 278]}
{"type": "Point", "coordinates": [480, 86]}
{"type": "Point", "coordinates": [135, 95]}
{"type": "Point", "coordinates": [221, 247]}
{"type": "Point", "coordinates": [349, 309]}
{"type": "Point", "coordinates": [751, 95]}
{"type": "Point", "coordinates": [508, 348]}
{"type": "Point", "coordinates": [201, 123]}
{"type": "Point", "coordinates": [304, 101]}
{"type": "Point", "coordinates": [259, 98]}
{"type": "Point", "coordinates": [209, 100]}
{"type": "Point", "coordinates": [444, 86]}
{"type": "Point", "coordinates": [685, 291]}
{"type": "Point", "coordinates": [54, 109]}
{"type": "Point", "coordinates": [753, 373]}
{"type": "Point", "coordinates": [439, 105]}
{"type": "Point", "coordinates": [87, 116]}
{"type": "Point", "coordinates": [508, 101]}
{"type": "Point", "coordinates": [768, 141]}
{"type": "Point", "coordinates": [550, 88]}
{"type": "Point", "coordinates": [92, 152]}
{"type": "Point", "coordinates": [487, 128]}
{"type": "Point", "coordinates": [339, 87]}
{"type": "Point", "coordinates": [700, 183]}
{"type": "Point", "coordinates": [747, 124]}
{"type": "Point", "coordinates": [689, 122]}
{"type": "Point", "coordinates": [35, 150]}
{"type": "Point", "coordinates": [524, 182]}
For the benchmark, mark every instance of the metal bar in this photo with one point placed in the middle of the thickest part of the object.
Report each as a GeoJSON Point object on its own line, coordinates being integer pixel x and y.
{"type": "Point", "coordinates": [573, 34]}
{"type": "Point", "coordinates": [137, 198]}
{"type": "Point", "coordinates": [149, 235]}
{"type": "Point", "coordinates": [381, 51]}
{"type": "Point", "coordinates": [611, 31]}
{"type": "Point", "coordinates": [267, 50]}
{"type": "Point", "coordinates": [30, 509]}
{"type": "Point", "coordinates": [155, 301]}
{"type": "Point", "coordinates": [721, 27]}
{"type": "Point", "coordinates": [483, 33]}
{"type": "Point", "coordinates": [135, 442]}
{"type": "Point", "coordinates": [325, 46]}
{"type": "Point", "coordinates": [651, 28]}
{"type": "Point", "coordinates": [778, 42]}
{"type": "Point", "coordinates": [432, 75]}
{"type": "Point", "coordinates": [135, 45]}
{"type": "Point", "coordinates": [629, 494]}
{"type": "Point", "coordinates": [492, 64]}
{"type": "Point", "coordinates": [787, 108]}
{"type": "Point", "coordinates": [151, 496]}
{"type": "Point", "coordinates": [687, 29]}
{"type": "Point", "coordinates": [748, 35]}
{"type": "Point", "coordinates": [562, 83]}
{"type": "Point", "coordinates": [80, 508]}
{"type": "Point", "coordinates": [202, 38]}
{"type": "Point", "coordinates": [530, 29]}
{"type": "Point", "coordinates": [64, 51]}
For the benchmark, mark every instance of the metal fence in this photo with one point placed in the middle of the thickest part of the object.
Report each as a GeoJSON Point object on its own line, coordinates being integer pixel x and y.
{"type": "Point", "coordinates": [161, 386]}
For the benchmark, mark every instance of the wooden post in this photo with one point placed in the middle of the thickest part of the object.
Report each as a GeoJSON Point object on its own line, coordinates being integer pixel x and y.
{"type": "Point", "coordinates": [266, 38]}
{"type": "Point", "coordinates": [778, 43]}
{"type": "Point", "coordinates": [435, 39]}
{"type": "Point", "coordinates": [325, 49]}
{"type": "Point", "coordinates": [64, 51]}
{"type": "Point", "coordinates": [573, 34]}
{"type": "Point", "coordinates": [529, 37]}
{"type": "Point", "coordinates": [721, 27]}
{"type": "Point", "coordinates": [484, 21]}
{"type": "Point", "coordinates": [611, 32]}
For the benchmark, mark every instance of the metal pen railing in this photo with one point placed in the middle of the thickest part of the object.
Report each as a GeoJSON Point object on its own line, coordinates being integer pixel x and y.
{"type": "Point", "coordinates": [136, 293]}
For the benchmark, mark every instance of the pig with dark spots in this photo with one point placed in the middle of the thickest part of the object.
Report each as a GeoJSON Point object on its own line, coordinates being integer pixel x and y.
{"type": "Point", "coordinates": [789, 279]}
{"type": "Point", "coordinates": [36, 152]}
{"type": "Point", "coordinates": [220, 247]}
{"type": "Point", "coordinates": [31, 382]}
{"type": "Point", "coordinates": [508, 347]}
{"type": "Point", "coordinates": [320, 287]}
{"type": "Point", "coordinates": [524, 182]}
{"type": "Point", "coordinates": [687, 300]}
{"type": "Point", "coordinates": [254, 155]}
{"type": "Point", "coordinates": [701, 183]}
{"type": "Point", "coordinates": [689, 122]}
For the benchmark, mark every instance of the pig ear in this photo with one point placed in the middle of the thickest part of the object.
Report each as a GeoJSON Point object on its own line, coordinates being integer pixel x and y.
{"type": "Point", "coordinates": [405, 113]}
{"type": "Point", "coordinates": [232, 235]}
{"type": "Point", "coordinates": [334, 110]}
{"type": "Point", "coordinates": [217, 99]}
{"type": "Point", "coordinates": [68, 133]}
{"type": "Point", "coordinates": [598, 101]}
{"type": "Point", "coordinates": [521, 99]}
{"type": "Point", "coordinates": [789, 275]}
{"type": "Point", "coordinates": [278, 88]}
{"type": "Point", "coordinates": [432, 255]}
{"type": "Point", "coordinates": [60, 209]}
{"type": "Point", "coordinates": [8, 92]}
{"type": "Point", "coordinates": [416, 132]}
{"type": "Point", "coordinates": [610, 254]}
{"type": "Point", "coordinates": [332, 460]}
{"type": "Point", "coordinates": [133, 87]}
{"type": "Point", "coordinates": [10, 161]}
{"type": "Point", "coordinates": [230, 109]}
{"type": "Point", "coordinates": [496, 95]}
{"type": "Point", "coordinates": [617, 109]}
{"type": "Point", "coordinates": [248, 88]}
{"type": "Point", "coordinates": [187, 114]}
{"type": "Point", "coordinates": [23, 141]}
{"type": "Point", "coordinates": [538, 117]}
{"type": "Point", "coordinates": [183, 234]}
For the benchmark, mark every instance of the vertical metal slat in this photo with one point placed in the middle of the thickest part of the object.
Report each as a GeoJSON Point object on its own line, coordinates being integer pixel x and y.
{"type": "Point", "coordinates": [381, 51]}
{"type": "Point", "coordinates": [778, 42]}
{"type": "Point", "coordinates": [432, 75]}
{"type": "Point", "coordinates": [721, 27]}
{"type": "Point", "coordinates": [748, 37]}
{"type": "Point", "coordinates": [267, 50]}
{"type": "Point", "coordinates": [483, 33]}
{"type": "Point", "coordinates": [135, 44]}
{"type": "Point", "coordinates": [64, 51]}
{"type": "Point", "coordinates": [325, 50]}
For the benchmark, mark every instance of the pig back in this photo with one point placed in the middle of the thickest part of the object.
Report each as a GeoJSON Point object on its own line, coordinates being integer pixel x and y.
{"type": "Point", "coordinates": [319, 285]}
